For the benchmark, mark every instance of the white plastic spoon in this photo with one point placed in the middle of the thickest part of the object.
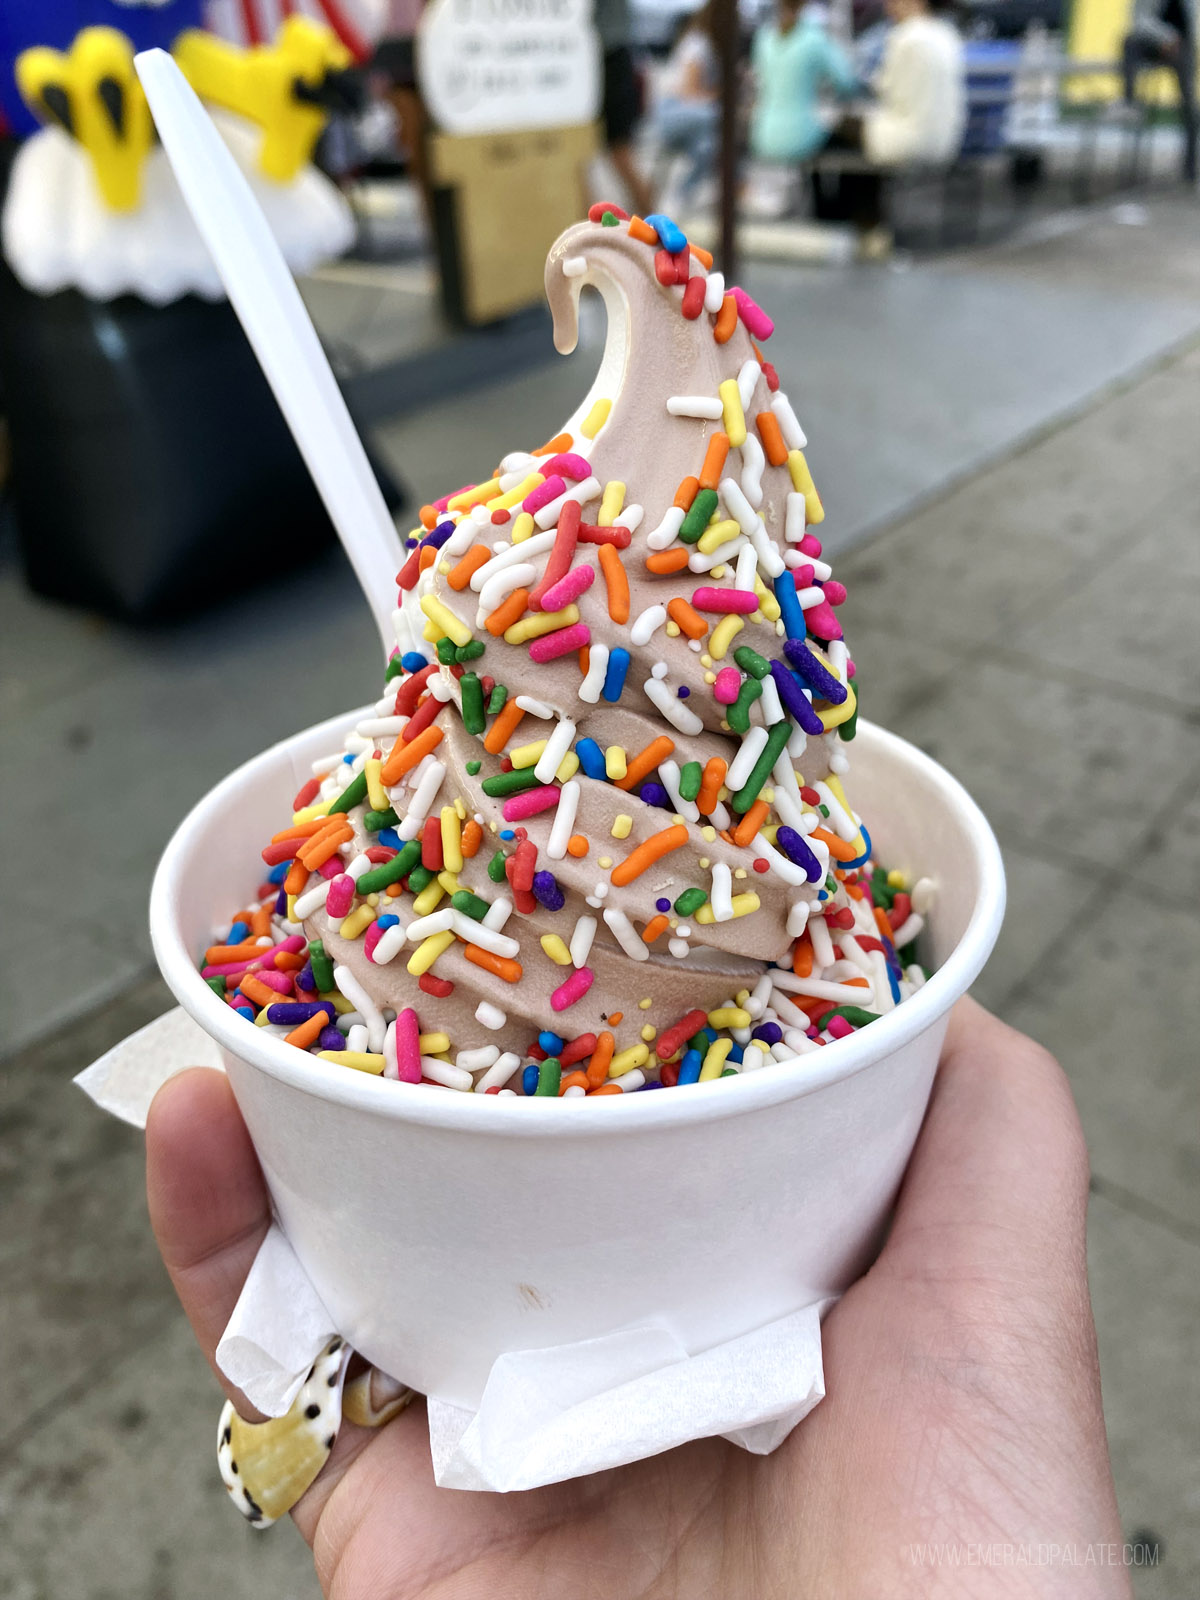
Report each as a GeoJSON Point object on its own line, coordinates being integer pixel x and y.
{"type": "Point", "coordinates": [268, 304]}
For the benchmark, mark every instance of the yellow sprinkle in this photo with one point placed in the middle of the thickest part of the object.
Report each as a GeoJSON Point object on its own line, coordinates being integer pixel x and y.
{"type": "Point", "coordinates": [359, 920]}
{"type": "Point", "coordinates": [714, 1060]}
{"type": "Point", "coordinates": [442, 617]}
{"type": "Point", "coordinates": [768, 605]}
{"type": "Point", "coordinates": [337, 1000]}
{"type": "Point", "coordinates": [739, 872]}
{"type": "Point", "coordinates": [448, 880]}
{"type": "Point", "coordinates": [451, 840]}
{"type": "Point", "coordinates": [522, 527]}
{"type": "Point", "coordinates": [705, 659]}
{"type": "Point", "coordinates": [743, 905]}
{"type": "Point", "coordinates": [595, 419]}
{"type": "Point", "coordinates": [432, 632]}
{"type": "Point", "coordinates": [428, 951]}
{"type": "Point", "coordinates": [539, 622]}
{"type": "Point", "coordinates": [311, 813]}
{"type": "Point", "coordinates": [470, 497]}
{"type": "Point", "coordinates": [622, 823]}
{"type": "Point", "coordinates": [428, 899]}
{"type": "Point", "coordinates": [672, 630]}
{"type": "Point", "coordinates": [612, 503]}
{"type": "Point", "coordinates": [717, 534]}
{"type": "Point", "coordinates": [372, 899]}
{"type": "Point", "coordinates": [614, 763]}
{"type": "Point", "coordinates": [625, 1060]}
{"type": "Point", "coordinates": [834, 716]}
{"type": "Point", "coordinates": [567, 767]}
{"type": "Point", "coordinates": [645, 1003]}
{"type": "Point", "coordinates": [376, 793]}
{"type": "Point", "coordinates": [727, 1017]}
{"type": "Point", "coordinates": [710, 677]}
{"type": "Point", "coordinates": [554, 947]}
{"type": "Point", "coordinates": [527, 755]}
{"type": "Point", "coordinates": [444, 567]}
{"type": "Point", "coordinates": [502, 502]}
{"type": "Point", "coordinates": [802, 481]}
{"type": "Point", "coordinates": [742, 996]}
{"type": "Point", "coordinates": [769, 832]}
{"type": "Point", "coordinates": [460, 810]}
{"type": "Point", "coordinates": [360, 1060]}
{"type": "Point", "coordinates": [291, 907]}
{"type": "Point", "coordinates": [432, 1044]}
{"type": "Point", "coordinates": [735, 417]}
{"type": "Point", "coordinates": [718, 573]}
{"type": "Point", "coordinates": [649, 1033]}
{"type": "Point", "coordinates": [604, 861]}
{"type": "Point", "coordinates": [897, 879]}
{"type": "Point", "coordinates": [260, 1020]}
{"type": "Point", "coordinates": [723, 635]}
{"type": "Point", "coordinates": [708, 833]}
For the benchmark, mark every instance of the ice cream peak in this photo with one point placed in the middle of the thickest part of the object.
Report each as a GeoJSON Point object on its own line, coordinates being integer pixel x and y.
{"type": "Point", "coordinates": [601, 797]}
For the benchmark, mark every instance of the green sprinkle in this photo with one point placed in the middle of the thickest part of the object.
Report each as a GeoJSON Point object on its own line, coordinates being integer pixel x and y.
{"type": "Point", "coordinates": [445, 648]}
{"type": "Point", "coordinates": [608, 220]}
{"type": "Point", "coordinates": [322, 966]}
{"type": "Point", "coordinates": [882, 892]}
{"type": "Point", "coordinates": [750, 661]}
{"type": "Point", "coordinates": [471, 905]}
{"type": "Point", "coordinates": [824, 810]}
{"type": "Point", "coordinates": [471, 651]}
{"type": "Point", "coordinates": [778, 735]}
{"type": "Point", "coordinates": [831, 884]}
{"type": "Point", "coordinates": [373, 821]}
{"type": "Point", "coordinates": [217, 985]}
{"type": "Point", "coordinates": [473, 767]}
{"type": "Point", "coordinates": [549, 1077]}
{"type": "Point", "coordinates": [739, 712]}
{"type": "Point", "coordinates": [690, 779]}
{"type": "Point", "coordinates": [502, 784]}
{"type": "Point", "coordinates": [690, 901]}
{"type": "Point", "coordinates": [696, 520]}
{"type": "Point", "coordinates": [854, 1015]}
{"type": "Point", "coordinates": [420, 878]}
{"type": "Point", "coordinates": [850, 727]}
{"type": "Point", "coordinates": [495, 867]}
{"type": "Point", "coordinates": [354, 795]}
{"type": "Point", "coordinates": [398, 867]}
{"type": "Point", "coordinates": [496, 699]}
{"type": "Point", "coordinates": [699, 1041]}
{"type": "Point", "coordinates": [394, 669]}
{"type": "Point", "coordinates": [474, 718]}
{"type": "Point", "coordinates": [729, 1072]}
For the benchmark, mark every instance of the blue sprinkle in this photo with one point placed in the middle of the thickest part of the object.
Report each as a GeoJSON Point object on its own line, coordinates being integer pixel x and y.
{"type": "Point", "coordinates": [614, 677]}
{"type": "Point", "coordinates": [858, 861]}
{"type": "Point", "coordinates": [388, 920]}
{"type": "Point", "coordinates": [507, 833]}
{"type": "Point", "coordinates": [391, 838]}
{"type": "Point", "coordinates": [546, 890]}
{"type": "Point", "coordinates": [789, 607]}
{"type": "Point", "coordinates": [278, 873]}
{"type": "Point", "coordinates": [591, 757]}
{"type": "Point", "coordinates": [662, 905]}
{"type": "Point", "coordinates": [652, 1084]}
{"type": "Point", "coordinates": [529, 1079]}
{"type": "Point", "coordinates": [670, 235]}
{"type": "Point", "coordinates": [238, 932]}
{"type": "Point", "coordinates": [894, 986]}
{"type": "Point", "coordinates": [689, 1067]}
{"type": "Point", "coordinates": [413, 661]}
{"type": "Point", "coordinates": [551, 1043]}
{"type": "Point", "coordinates": [735, 1053]}
{"type": "Point", "coordinates": [709, 1033]}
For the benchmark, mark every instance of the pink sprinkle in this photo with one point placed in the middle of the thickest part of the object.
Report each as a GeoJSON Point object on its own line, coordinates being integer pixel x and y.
{"type": "Point", "coordinates": [569, 588]}
{"type": "Point", "coordinates": [741, 600]}
{"type": "Point", "coordinates": [341, 895]}
{"type": "Point", "coordinates": [758, 323]}
{"type": "Point", "coordinates": [570, 466]}
{"type": "Point", "coordinates": [543, 494]}
{"type": "Point", "coordinates": [527, 804]}
{"type": "Point", "coordinates": [373, 935]}
{"type": "Point", "coordinates": [821, 622]}
{"type": "Point", "coordinates": [851, 669]}
{"type": "Point", "coordinates": [408, 1047]}
{"type": "Point", "coordinates": [552, 645]}
{"type": "Point", "coordinates": [441, 505]}
{"type": "Point", "coordinates": [281, 982]}
{"type": "Point", "coordinates": [332, 868]}
{"type": "Point", "coordinates": [839, 1027]}
{"type": "Point", "coordinates": [259, 963]}
{"type": "Point", "coordinates": [728, 685]}
{"type": "Point", "coordinates": [835, 592]}
{"type": "Point", "coordinates": [810, 544]}
{"type": "Point", "coordinates": [573, 990]}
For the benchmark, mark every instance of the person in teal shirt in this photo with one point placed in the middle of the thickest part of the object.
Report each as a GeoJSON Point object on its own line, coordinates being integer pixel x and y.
{"type": "Point", "coordinates": [793, 59]}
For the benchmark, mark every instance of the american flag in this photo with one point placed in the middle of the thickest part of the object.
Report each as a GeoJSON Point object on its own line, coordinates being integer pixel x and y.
{"type": "Point", "coordinates": [357, 23]}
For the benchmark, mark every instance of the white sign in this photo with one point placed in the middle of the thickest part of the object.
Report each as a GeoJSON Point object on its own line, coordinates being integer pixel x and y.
{"type": "Point", "coordinates": [488, 66]}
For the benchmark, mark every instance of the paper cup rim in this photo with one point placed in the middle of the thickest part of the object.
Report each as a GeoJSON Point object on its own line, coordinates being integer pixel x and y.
{"type": "Point", "coordinates": [622, 1114]}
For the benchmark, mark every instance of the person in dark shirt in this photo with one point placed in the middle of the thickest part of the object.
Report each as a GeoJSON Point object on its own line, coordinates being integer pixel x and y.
{"type": "Point", "coordinates": [1163, 34]}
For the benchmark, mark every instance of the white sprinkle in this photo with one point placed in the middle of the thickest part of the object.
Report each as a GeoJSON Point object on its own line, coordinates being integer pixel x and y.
{"type": "Point", "coordinates": [854, 954]}
{"type": "Point", "coordinates": [591, 685]}
{"type": "Point", "coordinates": [497, 914]}
{"type": "Point", "coordinates": [908, 930]}
{"type": "Point", "coordinates": [472, 932]}
{"type": "Point", "coordinates": [633, 1079]}
{"type": "Point", "coordinates": [787, 1010]}
{"type": "Point", "coordinates": [645, 625]}
{"type": "Point", "coordinates": [536, 708]}
{"type": "Point", "coordinates": [390, 945]}
{"type": "Point", "coordinates": [380, 727]}
{"type": "Point", "coordinates": [797, 1041]}
{"type": "Point", "coordinates": [753, 462]}
{"type": "Point", "coordinates": [548, 515]}
{"type": "Point", "coordinates": [768, 555]}
{"type": "Point", "coordinates": [383, 708]}
{"type": "Point", "coordinates": [753, 1057]}
{"type": "Point", "coordinates": [490, 1016]}
{"type": "Point", "coordinates": [746, 570]}
{"type": "Point", "coordinates": [789, 426]}
{"type": "Point", "coordinates": [478, 1060]}
{"type": "Point", "coordinates": [564, 818]}
{"type": "Point", "coordinates": [557, 745]}
{"type": "Point", "coordinates": [769, 701]}
{"type": "Point", "coordinates": [437, 922]}
{"type": "Point", "coordinates": [881, 988]}
{"type": "Point", "coordinates": [844, 824]}
{"type": "Point", "coordinates": [390, 1066]}
{"type": "Point", "coordinates": [818, 932]}
{"type": "Point", "coordinates": [698, 561]}
{"type": "Point", "coordinates": [787, 870]}
{"type": "Point", "coordinates": [798, 917]}
{"type": "Point", "coordinates": [519, 461]}
{"type": "Point", "coordinates": [675, 710]}
{"type": "Point", "coordinates": [623, 932]}
{"type": "Point", "coordinates": [312, 899]}
{"type": "Point", "coordinates": [738, 507]}
{"type": "Point", "coordinates": [679, 948]}
{"type": "Point", "coordinates": [426, 793]}
{"type": "Point", "coordinates": [534, 546]}
{"type": "Point", "coordinates": [714, 292]}
{"type": "Point", "coordinates": [500, 1071]}
{"type": "Point", "coordinates": [500, 585]}
{"type": "Point", "coordinates": [574, 266]}
{"type": "Point", "coordinates": [839, 657]}
{"type": "Point", "coordinates": [357, 1038]}
{"type": "Point", "coordinates": [360, 864]}
{"type": "Point", "coordinates": [442, 1072]}
{"type": "Point", "coordinates": [581, 940]}
{"type": "Point", "coordinates": [793, 522]}
{"type": "Point", "coordinates": [575, 1092]}
{"type": "Point", "coordinates": [749, 751]}
{"type": "Point", "coordinates": [464, 535]}
{"type": "Point", "coordinates": [630, 518]}
{"type": "Point", "coordinates": [922, 896]}
{"type": "Point", "coordinates": [361, 1001]}
{"type": "Point", "coordinates": [720, 895]}
{"type": "Point", "coordinates": [668, 774]}
{"type": "Point", "coordinates": [759, 996]}
{"type": "Point", "coordinates": [657, 539]}
{"type": "Point", "coordinates": [915, 976]}
{"type": "Point", "coordinates": [747, 382]}
{"type": "Point", "coordinates": [402, 628]}
{"type": "Point", "coordinates": [708, 407]}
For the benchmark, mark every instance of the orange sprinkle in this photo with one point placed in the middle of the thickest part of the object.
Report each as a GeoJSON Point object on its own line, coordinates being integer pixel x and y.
{"type": "Point", "coordinates": [501, 966]}
{"type": "Point", "coordinates": [703, 256]}
{"type": "Point", "coordinates": [645, 761]}
{"type": "Point", "coordinates": [726, 320]}
{"type": "Point", "coordinates": [616, 581]}
{"type": "Point", "coordinates": [802, 957]}
{"type": "Point", "coordinates": [605, 1088]}
{"type": "Point", "coordinates": [573, 1080]}
{"type": "Point", "coordinates": [302, 830]}
{"type": "Point", "coordinates": [260, 922]}
{"type": "Point", "coordinates": [585, 661]}
{"type": "Point", "coordinates": [616, 1017]}
{"type": "Point", "coordinates": [656, 926]}
{"type": "Point", "coordinates": [578, 845]}
{"type": "Point", "coordinates": [648, 852]}
{"type": "Point", "coordinates": [751, 823]}
{"type": "Point", "coordinates": [427, 558]}
{"type": "Point", "coordinates": [404, 757]}
{"type": "Point", "coordinates": [297, 877]}
{"type": "Point", "coordinates": [507, 612]}
{"type": "Point", "coordinates": [219, 955]}
{"type": "Point", "coordinates": [772, 438]}
{"type": "Point", "coordinates": [710, 785]}
{"type": "Point", "coordinates": [505, 725]}
{"type": "Point", "coordinates": [664, 561]}
{"type": "Point", "coordinates": [472, 838]}
{"type": "Point", "coordinates": [686, 493]}
{"type": "Point", "coordinates": [689, 620]}
{"type": "Point", "coordinates": [714, 460]}
{"type": "Point", "coordinates": [428, 516]}
{"type": "Point", "coordinates": [642, 230]}
{"type": "Point", "coordinates": [319, 848]}
{"type": "Point", "coordinates": [597, 1068]}
{"type": "Point", "coordinates": [459, 576]}
{"type": "Point", "coordinates": [854, 891]}
{"type": "Point", "coordinates": [261, 993]}
{"type": "Point", "coordinates": [555, 446]}
{"type": "Point", "coordinates": [394, 891]}
{"type": "Point", "coordinates": [307, 1032]}
{"type": "Point", "coordinates": [289, 961]}
{"type": "Point", "coordinates": [838, 848]}
{"type": "Point", "coordinates": [882, 923]}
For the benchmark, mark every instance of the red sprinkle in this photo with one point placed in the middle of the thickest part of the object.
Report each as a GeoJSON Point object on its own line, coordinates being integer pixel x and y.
{"type": "Point", "coordinates": [693, 298]}
{"type": "Point", "coordinates": [441, 987]}
{"type": "Point", "coordinates": [306, 794]}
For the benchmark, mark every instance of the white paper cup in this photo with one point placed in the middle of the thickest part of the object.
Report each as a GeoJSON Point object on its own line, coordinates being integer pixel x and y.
{"type": "Point", "coordinates": [442, 1229]}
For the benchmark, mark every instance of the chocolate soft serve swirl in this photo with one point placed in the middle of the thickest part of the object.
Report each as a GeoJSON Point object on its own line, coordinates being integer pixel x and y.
{"type": "Point", "coordinates": [549, 785]}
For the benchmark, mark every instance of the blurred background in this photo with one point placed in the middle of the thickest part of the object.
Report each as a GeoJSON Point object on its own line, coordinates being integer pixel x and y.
{"type": "Point", "coordinates": [978, 232]}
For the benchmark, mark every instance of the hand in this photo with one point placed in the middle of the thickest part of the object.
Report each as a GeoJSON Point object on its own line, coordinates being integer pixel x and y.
{"type": "Point", "coordinates": [963, 1405]}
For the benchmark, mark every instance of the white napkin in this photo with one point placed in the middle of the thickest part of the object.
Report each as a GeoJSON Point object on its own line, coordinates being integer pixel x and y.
{"type": "Point", "coordinates": [546, 1415]}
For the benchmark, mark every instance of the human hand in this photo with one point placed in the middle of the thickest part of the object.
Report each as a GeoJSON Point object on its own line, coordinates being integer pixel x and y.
{"type": "Point", "coordinates": [963, 1405]}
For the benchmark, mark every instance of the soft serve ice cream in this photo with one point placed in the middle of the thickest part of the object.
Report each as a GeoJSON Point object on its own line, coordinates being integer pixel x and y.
{"type": "Point", "coordinates": [593, 837]}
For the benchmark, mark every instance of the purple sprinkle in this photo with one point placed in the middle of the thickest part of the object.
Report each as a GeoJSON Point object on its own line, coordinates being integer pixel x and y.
{"type": "Point", "coordinates": [546, 890]}
{"type": "Point", "coordinates": [294, 1012]}
{"type": "Point", "coordinates": [410, 543]}
{"type": "Point", "coordinates": [684, 691]}
{"type": "Point", "coordinates": [795, 848]}
{"type": "Point", "coordinates": [436, 539]}
{"type": "Point", "coordinates": [822, 683]}
{"type": "Point", "coordinates": [795, 703]}
{"type": "Point", "coordinates": [662, 905]}
{"type": "Point", "coordinates": [654, 794]}
{"type": "Point", "coordinates": [281, 903]}
{"type": "Point", "coordinates": [768, 1033]}
{"type": "Point", "coordinates": [330, 1038]}
{"type": "Point", "coordinates": [306, 981]}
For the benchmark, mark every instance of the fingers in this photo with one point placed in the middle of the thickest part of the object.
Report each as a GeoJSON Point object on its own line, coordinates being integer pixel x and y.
{"type": "Point", "coordinates": [208, 1203]}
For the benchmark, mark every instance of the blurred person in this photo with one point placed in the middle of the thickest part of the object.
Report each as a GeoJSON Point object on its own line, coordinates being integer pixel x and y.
{"type": "Point", "coordinates": [622, 97]}
{"type": "Point", "coordinates": [794, 58]}
{"type": "Point", "coordinates": [918, 116]}
{"type": "Point", "coordinates": [1163, 34]}
{"type": "Point", "coordinates": [687, 118]}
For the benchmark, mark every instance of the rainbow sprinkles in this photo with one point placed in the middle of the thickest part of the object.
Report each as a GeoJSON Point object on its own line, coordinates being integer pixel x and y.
{"type": "Point", "coordinates": [593, 838]}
